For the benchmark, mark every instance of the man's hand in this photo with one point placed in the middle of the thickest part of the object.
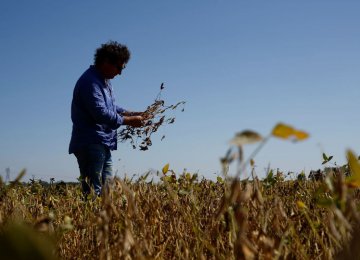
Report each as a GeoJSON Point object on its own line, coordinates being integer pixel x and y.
{"type": "Point", "coordinates": [134, 121]}
{"type": "Point", "coordinates": [147, 116]}
{"type": "Point", "coordinates": [129, 113]}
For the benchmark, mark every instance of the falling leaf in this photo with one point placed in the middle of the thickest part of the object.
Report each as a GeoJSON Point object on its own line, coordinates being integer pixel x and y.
{"type": "Point", "coordinates": [283, 131]}
{"type": "Point", "coordinates": [165, 169]}
{"type": "Point", "coordinates": [354, 179]}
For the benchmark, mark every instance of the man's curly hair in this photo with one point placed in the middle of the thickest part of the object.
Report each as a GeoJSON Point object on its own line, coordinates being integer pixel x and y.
{"type": "Point", "coordinates": [112, 52]}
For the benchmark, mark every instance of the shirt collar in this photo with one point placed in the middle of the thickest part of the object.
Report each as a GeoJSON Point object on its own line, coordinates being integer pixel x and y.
{"type": "Point", "coordinates": [93, 69]}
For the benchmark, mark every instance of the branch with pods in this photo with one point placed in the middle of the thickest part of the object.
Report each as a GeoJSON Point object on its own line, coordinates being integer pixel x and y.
{"type": "Point", "coordinates": [154, 116]}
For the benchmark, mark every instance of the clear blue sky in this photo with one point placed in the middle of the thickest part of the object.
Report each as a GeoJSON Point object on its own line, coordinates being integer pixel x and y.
{"type": "Point", "coordinates": [238, 64]}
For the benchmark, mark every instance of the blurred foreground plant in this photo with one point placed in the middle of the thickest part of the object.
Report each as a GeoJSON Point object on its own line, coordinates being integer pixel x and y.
{"type": "Point", "coordinates": [245, 137]}
{"type": "Point", "coordinates": [184, 216]}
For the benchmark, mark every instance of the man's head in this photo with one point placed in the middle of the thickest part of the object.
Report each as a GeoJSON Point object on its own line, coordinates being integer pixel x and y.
{"type": "Point", "coordinates": [110, 59]}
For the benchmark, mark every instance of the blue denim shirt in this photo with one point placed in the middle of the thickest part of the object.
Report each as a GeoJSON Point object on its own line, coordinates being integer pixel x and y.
{"type": "Point", "coordinates": [94, 114]}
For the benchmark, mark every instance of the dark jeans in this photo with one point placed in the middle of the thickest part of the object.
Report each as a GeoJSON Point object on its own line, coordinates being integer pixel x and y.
{"type": "Point", "coordinates": [95, 166]}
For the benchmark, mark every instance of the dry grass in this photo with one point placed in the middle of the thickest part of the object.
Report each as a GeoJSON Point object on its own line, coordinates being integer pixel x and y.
{"type": "Point", "coordinates": [181, 218]}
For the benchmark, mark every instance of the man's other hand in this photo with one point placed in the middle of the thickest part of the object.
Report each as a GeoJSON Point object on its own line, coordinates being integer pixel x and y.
{"type": "Point", "coordinates": [134, 121]}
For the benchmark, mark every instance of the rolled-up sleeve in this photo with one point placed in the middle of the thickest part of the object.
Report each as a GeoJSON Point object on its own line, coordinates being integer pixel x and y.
{"type": "Point", "coordinates": [93, 99]}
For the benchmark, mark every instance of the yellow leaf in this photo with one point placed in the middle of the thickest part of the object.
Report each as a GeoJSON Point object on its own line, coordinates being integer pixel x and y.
{"type": "Point", "coordinates": [283, 131]}
{"type": "Point", "coordinates": [252, 162]}
{"type": "Point", "coordinates": [165, 169]}
{"type": "Point", "coordinates": [286, 132]}
{"type": "Point", "coordinates": [301, 204]}
{"type": "Point", "coordinates": [354, 179]}
{"type": "Point", "coordinates": [300, 135]}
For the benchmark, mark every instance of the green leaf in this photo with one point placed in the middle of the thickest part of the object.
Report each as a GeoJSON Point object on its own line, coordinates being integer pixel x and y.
{"type": "Point", "coordinates": [354, 179]}
{"type": "Point", "coordinates": [325, 157]}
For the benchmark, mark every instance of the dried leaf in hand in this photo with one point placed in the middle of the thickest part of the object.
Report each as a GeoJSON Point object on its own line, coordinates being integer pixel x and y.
{"type": "Point", "coordinates": [154, 117]}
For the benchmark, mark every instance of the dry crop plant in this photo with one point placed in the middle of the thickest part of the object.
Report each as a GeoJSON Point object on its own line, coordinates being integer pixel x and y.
{"type": "Point", "coordinates": [293, 219]}
{"type": "Point", "coordinates": [141, 220]}
{"type": "Point", "coordinates": [155, 116]}
{"type": "Point", "coordinates": [184, 217]}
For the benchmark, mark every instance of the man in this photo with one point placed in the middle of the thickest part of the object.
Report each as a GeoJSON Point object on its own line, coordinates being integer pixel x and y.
{"type": "Point", "coordinates": [95, 116]}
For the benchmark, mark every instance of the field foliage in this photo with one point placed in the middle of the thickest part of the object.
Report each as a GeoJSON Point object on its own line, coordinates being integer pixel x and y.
{"type": "Point", "coordinates": [181, 217]}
